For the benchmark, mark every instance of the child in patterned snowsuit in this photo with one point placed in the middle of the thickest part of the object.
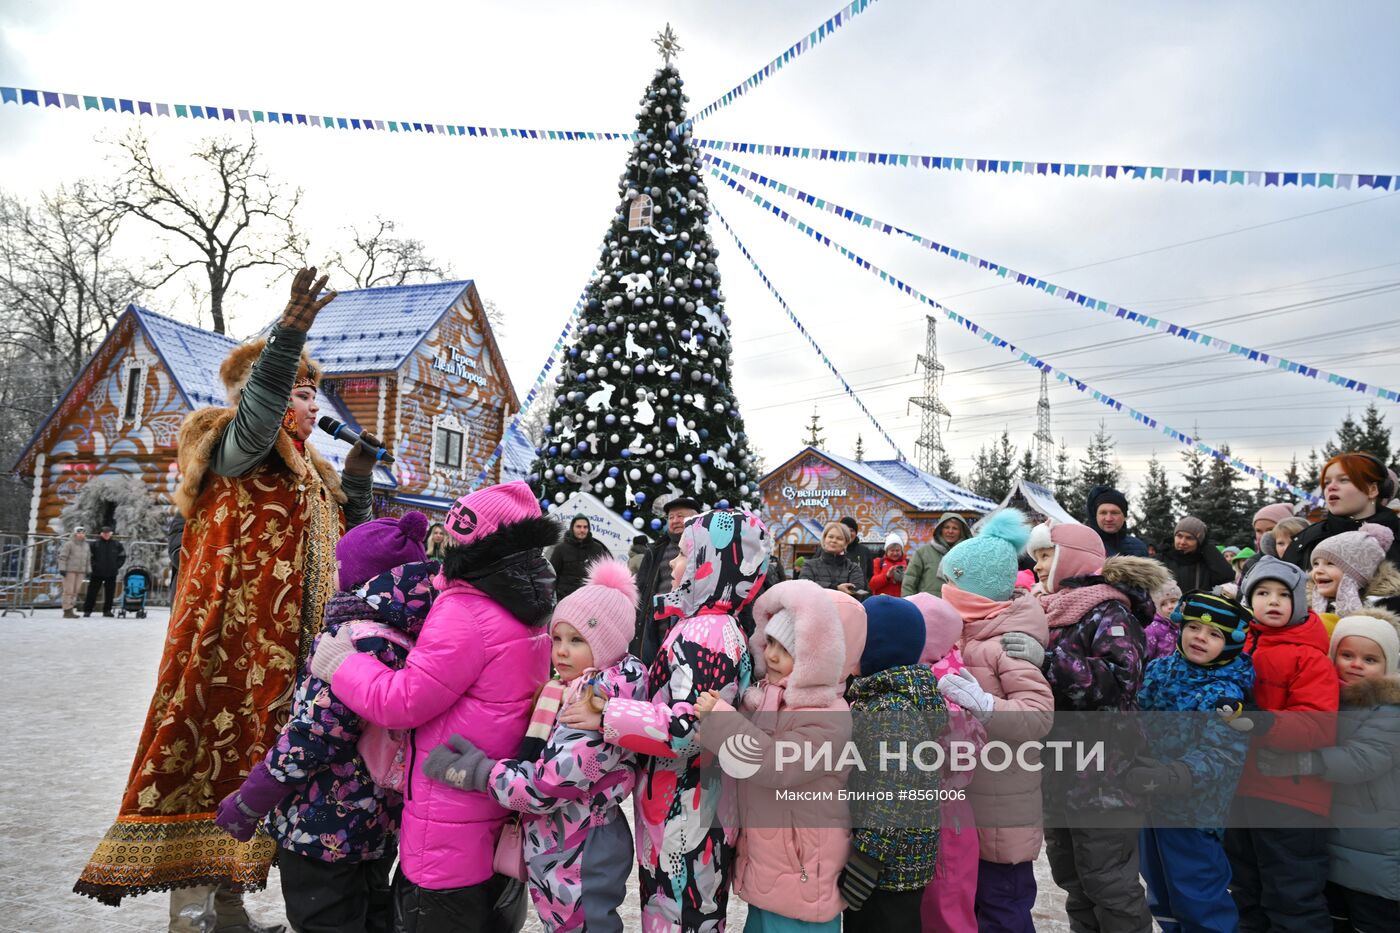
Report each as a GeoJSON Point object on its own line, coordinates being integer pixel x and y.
{"type": "Point", "coordinates": [336, 828]}
{"type": "Point", "coordinates": [1196, 760]}
{"type": "Point", "coordinates": [578, 851]}
{"type": "Point", "coordinates": [1097, 608]}
{"type": "Point", "coordinates": [684, 850]}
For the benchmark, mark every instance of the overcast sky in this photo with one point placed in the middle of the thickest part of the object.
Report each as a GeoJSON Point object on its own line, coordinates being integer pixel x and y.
{"type": "Point", "coordinates": [1307, 86]}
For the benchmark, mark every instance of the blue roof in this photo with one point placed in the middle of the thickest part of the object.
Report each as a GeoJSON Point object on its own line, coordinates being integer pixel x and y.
{"type": "Point", "coordinates": [924, 491]}
{"type": "Point", "coordinates": [193, 355]}
{"type": "Point", "coordinates": [375, 329]}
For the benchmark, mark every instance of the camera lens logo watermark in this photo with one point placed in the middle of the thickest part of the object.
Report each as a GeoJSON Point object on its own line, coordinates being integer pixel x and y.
{"type": "Point", "coordinates": [740, 756]}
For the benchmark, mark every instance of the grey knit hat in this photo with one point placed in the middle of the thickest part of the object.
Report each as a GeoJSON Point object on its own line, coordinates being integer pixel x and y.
{"type": "Point", "coordinates": [782, 628]}
{"type": "Point", "coordinates": [1193, 526]}
{"type": "Point", "coordinates": [1290, 575]}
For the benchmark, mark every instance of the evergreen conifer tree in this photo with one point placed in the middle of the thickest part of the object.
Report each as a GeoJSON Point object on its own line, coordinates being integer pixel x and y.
{"type": "Point", "coordinates": [1313, 471]}
{"type": "Point", "coordinates": [645, 409]}
{"type": "Point", "coordinates": [1295, 478]}
{"type": "Point", "coordinates": [1065, 481]}
{"type": "Point", "coordinates": [1098, 468]}
{"type": "Point", "coordinates": [1374, 436]}
{"type": "Point", "coordinates": [1156, 519]}
{"type": "Point", "coordinates": [1349, 437]}
{"type": "Point", "coordinates": [947, 469]}
{"type": "Point", "coordinates": [815, 437]}
{"type": "Point", "coordinates": [1190, 494]}
{"type": "Point", "coordinates": [1222, 504]}
{"type": "Point", "coordinates": [995, 469]}
{"type": "Point", "coordinates": [860, 449]}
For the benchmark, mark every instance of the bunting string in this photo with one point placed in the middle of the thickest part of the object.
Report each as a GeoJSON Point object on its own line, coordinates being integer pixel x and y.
{"type": "Point", "coordinates": [1023, 356]}
{"type": "Point", "coordinates": [535, 389]}
{"type": "Point", "coordinates": [86, 102]}
{"type": "Point", "coordinates": [808, 42]}
{"type": "Point", "coordinates": [1261, 357]}
{"type": "Point", "coordinates": [802, 329]}
{"type": "Point", "coordinates": [1214, 176]}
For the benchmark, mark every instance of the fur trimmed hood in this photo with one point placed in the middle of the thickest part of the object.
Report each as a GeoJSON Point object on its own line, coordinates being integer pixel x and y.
{"type": "Point", "coordinates": [819, 661]}
{"type": "Point", "coordinates": [1374, 691]}
{"type": "Point", "coordinates": [238, 366]}
{"type": "Point", "coordinates": [1385, 583]}
{"type": "Point", "coordinates": [463, 561]}
{"type": "Point", "coordinates": [509, 566]}
{"type": "Point", "coordinates": [1139, 573]}
{"type": "Point", "coordinates": [204, 427]}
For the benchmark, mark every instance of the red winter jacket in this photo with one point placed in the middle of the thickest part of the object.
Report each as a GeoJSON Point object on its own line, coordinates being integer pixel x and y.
{"type": "Point", "coordinates": [1292, 673]}
{"type": "Point", "coordinates": [880, 582]}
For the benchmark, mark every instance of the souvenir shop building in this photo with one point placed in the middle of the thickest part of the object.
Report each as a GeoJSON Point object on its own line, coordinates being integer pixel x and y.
{"type": "Point", "coordinates": [815, 487]}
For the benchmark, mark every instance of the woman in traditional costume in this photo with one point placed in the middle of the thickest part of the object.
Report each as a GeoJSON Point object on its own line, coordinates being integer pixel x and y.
{"type": "Point", "coordinates": [264, 511]}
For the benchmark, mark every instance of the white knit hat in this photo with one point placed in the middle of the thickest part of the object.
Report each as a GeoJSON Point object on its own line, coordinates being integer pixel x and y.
{"type": "Point", "coordinates": [1040, 539]}
{"type": "Point", "coordinates": [1380, 631]}
{"type": "Point", "coordinates": [892, 539]}
{"type": "Point", "coordinates": [782, 628]}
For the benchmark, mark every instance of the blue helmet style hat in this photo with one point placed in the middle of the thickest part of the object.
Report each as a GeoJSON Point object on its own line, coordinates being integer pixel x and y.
{"type": "Point", "coordinates": [1226, 615]}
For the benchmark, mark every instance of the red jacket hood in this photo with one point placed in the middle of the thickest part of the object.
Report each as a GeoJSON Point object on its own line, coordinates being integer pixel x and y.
{"type": "Point", "coordinates": [1309, 633]}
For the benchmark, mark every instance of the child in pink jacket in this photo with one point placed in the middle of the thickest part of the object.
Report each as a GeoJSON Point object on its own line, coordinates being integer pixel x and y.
{"type": "Point", "coordinates": [789, 855]}
{"type": "Point", "coordinates": [1012, 698]}
{"type": "Point", "coordinates": [684, 847]}
{"type": "Point", "coordinates": [578, 851]}
{"type": "Point", "coordinates": [482, 652]}
{"type": "Point", "coordinates": [949, 901]}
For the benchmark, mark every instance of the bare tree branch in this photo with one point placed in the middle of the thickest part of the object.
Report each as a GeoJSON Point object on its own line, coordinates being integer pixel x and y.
{"type": "Point", "coordinates": [232, 216]}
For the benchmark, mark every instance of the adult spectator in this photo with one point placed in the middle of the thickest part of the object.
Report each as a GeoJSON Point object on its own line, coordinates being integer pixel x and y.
{"type": "Point", "coordinates": [265, 511]}
{"type": "Point", "coordinates": [832, 568]}
{"type": "Point", "coordinates": [108, 555]}
{"type": "Point", "coordinates": [638, 551]}
{"type": "Point", "coordinates": [1355, 488]}
{"type": "Point", "coordinates": [573, 556]}
{"type": "Point", "coordinates": [75, 563]}
{"type": "Point", "coordinates": [888, 578]}
{"type": "Point", "coordinates": [1108, 515]}
{"type": "Point", "coordinates": [654, 579]}
{"type": "Point", "coordinates": [858, 552]}
{"type": "Point", "coordinates": [921, 576]}
{"type": "Point", "coordinates": [1196, 563]}
{"type": "Point", "coordinates": [435, 544]}
{"type": "Point", "coordinates": [1266, 518]}
{"type": "Point", "coordinates": [174, 538]}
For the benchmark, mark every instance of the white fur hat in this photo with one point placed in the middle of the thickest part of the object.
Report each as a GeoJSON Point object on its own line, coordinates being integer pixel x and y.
{"type": "Point", "coordinates": [1040, 539]}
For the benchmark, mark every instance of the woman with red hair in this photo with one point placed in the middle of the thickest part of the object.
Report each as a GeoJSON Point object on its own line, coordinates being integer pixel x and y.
{"type": "Point", "coordinates": [1356, 488]}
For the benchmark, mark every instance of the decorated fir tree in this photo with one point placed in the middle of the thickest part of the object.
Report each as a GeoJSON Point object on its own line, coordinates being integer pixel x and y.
{"type": "Point", "coordinates": [645, 409]}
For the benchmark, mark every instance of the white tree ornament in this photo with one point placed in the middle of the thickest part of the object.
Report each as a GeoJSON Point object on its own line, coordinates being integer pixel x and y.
{"type": "Point", "coordinates": [601, 399]}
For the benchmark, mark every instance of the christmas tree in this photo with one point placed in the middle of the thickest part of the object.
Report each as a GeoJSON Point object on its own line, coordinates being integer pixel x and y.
{"type": "Point", "coordinates": [645, 409]}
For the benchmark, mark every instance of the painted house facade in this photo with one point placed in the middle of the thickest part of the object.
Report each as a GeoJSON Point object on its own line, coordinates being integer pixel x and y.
{"type": "Point", "coordinates": [415, 364]}
{"type": "Point", "coordinates": [815, 487]}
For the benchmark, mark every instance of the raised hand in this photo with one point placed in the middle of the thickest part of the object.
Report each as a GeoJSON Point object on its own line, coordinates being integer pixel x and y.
{"type": "Point", "coordinates": [360, 460]}
{"type": "Point", "coordinates": [304, 303]}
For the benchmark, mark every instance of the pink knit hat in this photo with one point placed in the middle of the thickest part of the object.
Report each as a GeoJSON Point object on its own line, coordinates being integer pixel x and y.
{"type": "Point", "coordinates": [852, 616]}
{"type": "Point", "coordinates": [1079, 552]}
{"type": "Point", "coordinates": [604, 610]}
{"type": "Point", "coordinates": [942, 623]}
{"type": "Point", "coordinates": [478, 514]}
{"type": "Point", "coordinates": [1359, 554]}
{"type": "Point", "coordinates": [1275, 513]}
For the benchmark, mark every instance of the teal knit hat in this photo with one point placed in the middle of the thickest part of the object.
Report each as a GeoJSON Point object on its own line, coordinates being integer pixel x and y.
{"type": "Point", "coordinates": [986, 564]}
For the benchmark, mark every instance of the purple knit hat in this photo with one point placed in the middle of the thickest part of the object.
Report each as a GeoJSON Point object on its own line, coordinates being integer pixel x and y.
{"type": "Point", "coordinates": [480, 513]}
{"type": "Point", "coordinates": [379, 546]}
{"type": "Point", "coordinates": [1359, 554]}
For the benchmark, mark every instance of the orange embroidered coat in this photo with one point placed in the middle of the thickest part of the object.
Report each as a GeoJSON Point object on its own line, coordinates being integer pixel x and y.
{"type": "Point", "coordinates": [257, 568]}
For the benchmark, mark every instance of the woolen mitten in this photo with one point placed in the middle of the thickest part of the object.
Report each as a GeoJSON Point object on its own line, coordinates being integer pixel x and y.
{"type": "Point", "coordinates": [1022, 646]}
{"type": "Point", "coordinates": [241, 811]}
{"type": "Point", "coordinates": [331, 652]}
{"type": "Point", "coordinates": [1150, 776]}
{"type": "Point", "coordinates": [858, 879]}
{"type": "Point", "coordinates": [460, 764]}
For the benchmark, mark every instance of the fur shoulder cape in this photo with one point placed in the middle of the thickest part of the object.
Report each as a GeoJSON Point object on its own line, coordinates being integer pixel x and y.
{"type": "Point", "coordinates": [204, 427]}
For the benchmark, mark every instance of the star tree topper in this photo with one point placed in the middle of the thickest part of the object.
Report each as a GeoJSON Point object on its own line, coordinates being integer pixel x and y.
{"type": "Point", "coordinates": [667, 45]}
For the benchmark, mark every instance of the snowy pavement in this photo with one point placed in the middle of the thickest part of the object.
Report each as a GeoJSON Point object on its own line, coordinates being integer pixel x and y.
{"type": "Point", "coordinates": [74, 693]}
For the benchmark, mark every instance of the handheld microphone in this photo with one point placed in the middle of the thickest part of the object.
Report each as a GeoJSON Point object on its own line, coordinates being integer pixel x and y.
{"type": "Point", "coordinates": [338, 430]}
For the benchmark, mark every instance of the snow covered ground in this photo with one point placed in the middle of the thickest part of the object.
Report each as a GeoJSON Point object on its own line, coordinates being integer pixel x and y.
{"type": "Point", "coordinates": [74, 693]}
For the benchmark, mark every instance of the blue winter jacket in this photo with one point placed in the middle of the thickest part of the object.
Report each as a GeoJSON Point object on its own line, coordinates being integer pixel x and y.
{"type": "Point", "coordinates": [1212, 751]}
{"type": "Point", "coordinates": [336, 812]}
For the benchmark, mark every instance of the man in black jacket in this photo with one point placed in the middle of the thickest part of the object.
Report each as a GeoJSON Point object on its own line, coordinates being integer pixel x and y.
{"type": "Point", "coordinates": [107, 558]}
{"type": "Point", "coordinates": [858, 552]}
{"type": "Point", "coordinates": [573, 556]}
{"type": "Point", "coordinates": [654, 578]}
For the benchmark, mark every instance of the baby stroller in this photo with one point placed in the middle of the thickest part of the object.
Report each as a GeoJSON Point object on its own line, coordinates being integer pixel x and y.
{"type": "Point", "coordinates": [136, 582]}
